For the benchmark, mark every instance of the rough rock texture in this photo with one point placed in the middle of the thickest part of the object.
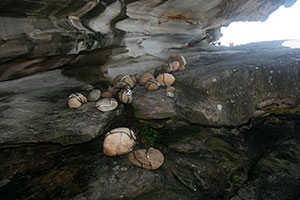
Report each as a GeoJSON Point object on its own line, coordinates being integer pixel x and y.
{"type": "Point", "coordinates": [230, 87]}
{"type": "Point", "coordinates": [34, 109]}
{"type": "Point", "coordinates": [222, 89]}
{"type": "Point", "coordinates": [154, 27]}
{"type": "Point", "coordinates": [159, 25]}
{"type": "Point", "coordinates": [37, 35]}
{"type": "Point", "coordinates": [152, 105]}
{"type": "Point", "coordinates": [207, 163]}
{"type": "Point", "coordinates": [200, 163]}
{"type": "Point", "coordinates": [34, 30]}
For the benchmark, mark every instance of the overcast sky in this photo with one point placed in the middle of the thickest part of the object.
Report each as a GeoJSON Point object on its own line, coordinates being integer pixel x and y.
{"type": "Point", "coordinates": [284, 23]}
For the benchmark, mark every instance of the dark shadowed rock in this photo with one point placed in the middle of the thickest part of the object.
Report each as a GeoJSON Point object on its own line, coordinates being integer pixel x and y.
{"type": "Point", "coordinates": [275, 176]}
{"type": "Point", "coordinates": [205, 163]}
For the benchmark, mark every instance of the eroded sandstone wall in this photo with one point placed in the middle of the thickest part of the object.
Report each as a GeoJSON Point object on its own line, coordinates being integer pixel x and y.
{"type": "Point", "coordinates": [40, 35]}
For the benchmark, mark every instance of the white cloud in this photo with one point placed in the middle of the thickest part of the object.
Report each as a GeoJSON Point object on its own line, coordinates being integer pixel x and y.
{"type": "Point", "coordinates": [284, 23]}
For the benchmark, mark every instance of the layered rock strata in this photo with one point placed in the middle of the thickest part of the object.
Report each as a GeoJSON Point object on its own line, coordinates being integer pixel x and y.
{"type": "Point", "coordinates": [35, 31]}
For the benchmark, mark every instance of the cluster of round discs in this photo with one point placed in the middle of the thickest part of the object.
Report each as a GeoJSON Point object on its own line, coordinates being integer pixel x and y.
{"type": "Point", "coordinates": [123, 85]}
{"type": "Point", "coordinates": [122, 140]}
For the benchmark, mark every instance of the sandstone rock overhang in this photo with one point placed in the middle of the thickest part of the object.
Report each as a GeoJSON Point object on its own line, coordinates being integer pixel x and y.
{"type": "Point", "coordinates": [39, 35]}
{"type": "Point", "coordinates": [218, 89]}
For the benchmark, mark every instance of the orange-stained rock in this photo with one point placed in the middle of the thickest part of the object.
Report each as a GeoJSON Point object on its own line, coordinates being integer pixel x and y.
{"type": "Point", "coordinates": [181, 68]}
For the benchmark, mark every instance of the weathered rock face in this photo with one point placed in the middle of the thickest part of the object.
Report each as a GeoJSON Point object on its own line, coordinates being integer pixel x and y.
{"type": "Point", "coordinates": [207, 153]}
{"type": "Point", "coordinates": [35, 34]}
{"type": "Point", "coordinates": [200, 163]}
{"type": "Point", "coordinates": [229, 88]}
{"type": "Point", "coordinates": [222, 88]}
{"type": "Point", "coordinates": [34, 109]}
{"type": "Point", "coordinates": [152, 105]}
{"type": "Point", "coordinates": [158, 25]}
{"type": "Point", "coordinates": [36, 30]}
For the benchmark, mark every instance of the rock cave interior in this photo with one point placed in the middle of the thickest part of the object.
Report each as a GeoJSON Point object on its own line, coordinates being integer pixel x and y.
{"type": "Point", "coordinates": [201, 121]}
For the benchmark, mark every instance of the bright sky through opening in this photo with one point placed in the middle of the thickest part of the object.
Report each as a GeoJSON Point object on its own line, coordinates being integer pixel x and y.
{"type": "Point", "coordinates": [282, 24]}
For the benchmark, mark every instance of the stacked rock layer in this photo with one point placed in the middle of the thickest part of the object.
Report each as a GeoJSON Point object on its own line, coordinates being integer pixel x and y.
{"type": "Point", "coordinates": [42, 35]}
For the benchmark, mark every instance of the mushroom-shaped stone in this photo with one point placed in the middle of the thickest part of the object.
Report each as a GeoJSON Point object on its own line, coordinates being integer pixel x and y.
{"type": "Point", "coordinates": [118, 141]}
{"type": "Point", "coordinates": [94, 95]}
{"type": "Point", "coordinates": [125, 96]}
{"type": "Point", "coordinates": [106, 104]}
{"type": "Point", "coordinates": [128, 79]}
{"type": "Point", "coordinates": [106, 94]}
{"type": "Point", "coordinates": [145, 77]}
{"type": "Point", "coordinates": [152, 84]}
{"type": "Point", "coordinates": [165, 79]}
{"type": "Point", "coordinates": [76, 99]}
{"type": "Point", "coordinates": [147, 158]}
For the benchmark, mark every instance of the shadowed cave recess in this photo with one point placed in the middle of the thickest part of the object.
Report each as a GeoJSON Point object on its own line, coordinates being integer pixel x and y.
{"type": "Point", "coordinates": [230, 131]}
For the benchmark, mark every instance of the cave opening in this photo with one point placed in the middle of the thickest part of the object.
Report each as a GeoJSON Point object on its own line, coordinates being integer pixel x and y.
{"type": "Point", "coordinates": [280, 25]}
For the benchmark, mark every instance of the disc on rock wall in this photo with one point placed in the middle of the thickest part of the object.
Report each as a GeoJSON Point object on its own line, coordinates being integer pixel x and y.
{"type": "Point", "coordinates": [150, 158]}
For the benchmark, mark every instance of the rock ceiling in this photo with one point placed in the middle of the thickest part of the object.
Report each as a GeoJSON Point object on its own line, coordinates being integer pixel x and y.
{"type": "Point", "coordinates": [40, 35]}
